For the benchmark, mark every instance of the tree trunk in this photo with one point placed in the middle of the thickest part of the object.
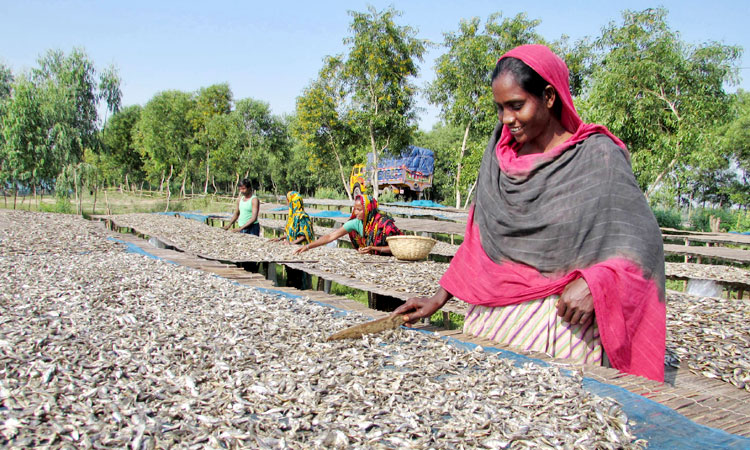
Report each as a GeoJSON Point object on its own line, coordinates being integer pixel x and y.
{"type": "Point", "coordinates": [663, 173]}
{"type": "Point", "coordinates": [205, 188]}
{"type": "Point", "coordinates": [213, 182]}
{"type": "Point", "coordinates": [106, 200]}
{"type": "Point", "coordinates": [15, 195]}
{"type": "Point", "coordinates": [468, 196]}
{"type": "Point", "coordinates": [182, 188]}
{"type": "Point", "coordinates": [161, 185]}
{"type": "Point", "coordinates": [93, 208]}
{"type": "Point", "coordinates": [460, 165]}
{"type": "Point", "coordinates": [374, 175]}
{"type": "Point", "coordinates": [347, 188]}
{"type": "Point", "coordinates": [236, 183]}
{"type": "Point", "coordinates": [169, 191]}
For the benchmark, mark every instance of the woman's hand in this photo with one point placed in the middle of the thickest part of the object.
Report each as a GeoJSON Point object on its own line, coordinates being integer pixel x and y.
{"type": "Point", "coordinates": [302, 249]}
{"type": "Point", "coordinates": [576, 305]}
{"type": "Point", "coordinates": [423, 306]}
{"type": "Point", "coordinates": [366, 250]}
{"type": "Point", "coordinates": [236, 230]}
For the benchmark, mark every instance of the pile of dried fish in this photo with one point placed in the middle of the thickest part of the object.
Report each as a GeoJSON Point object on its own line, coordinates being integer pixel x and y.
{"type": "Point", "coordinates": [109, 349]}
{"type": "Point", "coordinates": [23, 232]}
{"type": "Point", "coordinates": [394, 210]}
{"type": "Point", "coordinates": [693, 336]}
{"type": "Point", "coordinates": [414, 278]}
{"type": "Point", "coordinates": [710, 335]}
{"type": "Point", "coordinates": [708, 272]}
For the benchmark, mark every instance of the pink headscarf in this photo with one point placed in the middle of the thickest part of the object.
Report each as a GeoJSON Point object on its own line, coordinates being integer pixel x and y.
{"type": "Point", "coordinates": [553, 69]}
{"type": "Point", "coordinates": [628, 310]}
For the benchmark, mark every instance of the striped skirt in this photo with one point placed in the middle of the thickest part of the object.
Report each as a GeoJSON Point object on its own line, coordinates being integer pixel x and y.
{"type": "Point", "coordinates": [535, 326]}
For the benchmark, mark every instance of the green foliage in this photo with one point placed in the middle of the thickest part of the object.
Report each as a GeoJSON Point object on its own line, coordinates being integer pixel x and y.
{"type": "Point", "coordinates": [379, 69]}
{"type": "Point", "coordinates": [700, 219]}
{"type": "Point", "coordinates": [668, 218]}
{"type": "Point", "coordinates": [330, 193]}
{"type": "Point", "coordinates": [120, 159]}
{"type": "Point", "coordinates": [462, 86]}
{"type": "Point", "coordinates": [49, 116]}
{"type": "Point", "coordinates": [387, 197]}
{"type": "Point", "coordinates": [62, 205]}
{"type": "Point", "coordinates": [164, 135]}
{"type": "Point", "coordinates": [741, 222]}
{"type": "Point", "coordinates": [736, 135]}
{"type": "Point", "coordinates": [663, 97]}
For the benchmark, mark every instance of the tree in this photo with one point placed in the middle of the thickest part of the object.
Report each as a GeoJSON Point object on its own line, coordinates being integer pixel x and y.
{"type": "Point", "coordinates": [379, 66]}
{"type": "Point", "coordinates": [6, 82]}
{"type": "Point", "coordinates": [736, 135]}
{"type": "Point", "coordinates": [215, 100]}
{"type": "Point", "coordinates": [322, 123]}
{"type": "Point", "coordinates": [663, 97]}
{"type": "Point", "coordinates": [462, 81]}
{"type": "Point", "coordinates": [51, 116]}
{"type": "Point", "coordinates": [120, 160]}
{"type": "Point", "coordinates": [24, 148]}
{"type": "Point", "coordinates": [165, 135]}
{"type": "Point", "coordinates": [443, 139]}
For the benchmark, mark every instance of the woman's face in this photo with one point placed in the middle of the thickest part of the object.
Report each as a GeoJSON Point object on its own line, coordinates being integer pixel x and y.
{"type": "Point", "coordinates": [359, 210]}
{"type": "Point", "coordinates": [526, 115]}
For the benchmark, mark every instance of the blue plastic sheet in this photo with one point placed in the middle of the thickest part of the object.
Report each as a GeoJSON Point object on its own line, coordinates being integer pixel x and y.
{"type": "Point", "coordinates": [331, 214]}
{"type": "Point", "coordinates": [420, 204]}
{"type": "Point", "coordinates": [199, 217]}
{"type": "Point", "coordinates": [132, 248]}
{"type": "Point", "coordinates": [415, 159]}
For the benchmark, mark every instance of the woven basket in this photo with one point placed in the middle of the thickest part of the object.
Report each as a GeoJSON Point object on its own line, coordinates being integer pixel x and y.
{"type": "Point", "coordinates": [410, 248]}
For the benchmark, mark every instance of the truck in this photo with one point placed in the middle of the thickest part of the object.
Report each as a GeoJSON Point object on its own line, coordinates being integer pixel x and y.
{"type": "Point", "coordinates": [409, 174]}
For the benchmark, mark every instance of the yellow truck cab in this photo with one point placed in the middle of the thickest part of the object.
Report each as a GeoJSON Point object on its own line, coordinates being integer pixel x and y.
{"type": "Point", "coordinates": [358, 180]}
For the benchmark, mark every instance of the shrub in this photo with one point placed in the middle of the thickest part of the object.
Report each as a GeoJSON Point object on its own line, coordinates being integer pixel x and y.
{"type": "Point", "coordinates": [668, 218]}
{"type": "Point", "coordinates": [700, 220]}
{"type": "Point", "coordinates": [330, 193]}
{"type": "Point", "coordinates": [387, 197]}
{"type": "Point", "coordinates": [62, 205]}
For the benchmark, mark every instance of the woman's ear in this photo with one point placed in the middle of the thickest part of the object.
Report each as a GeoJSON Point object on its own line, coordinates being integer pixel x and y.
{"type": "Point", "coordinates": [550, 95]}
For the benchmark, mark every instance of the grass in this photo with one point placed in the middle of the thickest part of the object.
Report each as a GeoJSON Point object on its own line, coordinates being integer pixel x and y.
{"type": "Point", "coordinates": [120, 203]}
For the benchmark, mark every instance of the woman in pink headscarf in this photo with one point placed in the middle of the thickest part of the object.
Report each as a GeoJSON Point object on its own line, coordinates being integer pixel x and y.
{"type": "Point", "coordinates": [562, 253]}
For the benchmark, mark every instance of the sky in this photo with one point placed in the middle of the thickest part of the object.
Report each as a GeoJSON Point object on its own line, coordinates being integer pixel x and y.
{"type": "Point", "coordinates": [272, 50]}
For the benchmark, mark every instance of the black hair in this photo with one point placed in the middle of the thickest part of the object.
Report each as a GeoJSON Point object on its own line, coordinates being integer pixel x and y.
{"type": "Point", "coordinates": [528, 79]}
{"type": "Point", "coordinates": [246, 184]}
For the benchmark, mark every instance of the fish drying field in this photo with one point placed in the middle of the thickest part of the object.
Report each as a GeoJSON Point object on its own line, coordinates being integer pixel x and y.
{"type": "Point", "coordinates": [100, 348]}
{"type": "Point", "coordinates": [707, 335]}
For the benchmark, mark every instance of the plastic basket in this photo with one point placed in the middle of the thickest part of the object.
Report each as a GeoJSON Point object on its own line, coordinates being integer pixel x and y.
{"type": "Point", "coordinates": [410, 248]}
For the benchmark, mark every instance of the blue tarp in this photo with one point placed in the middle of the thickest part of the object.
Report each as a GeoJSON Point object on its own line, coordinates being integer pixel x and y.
{"type": "Point", "coordinates": [199, 217]}
{"type": "Point", "coordinates": [415, 159]}
{"type": "Point", "coordinates": [661, 426]}
{"type": "Point", "coordinates": [330, 214]}
{"type": "Point", "coordinates": [420, 203]}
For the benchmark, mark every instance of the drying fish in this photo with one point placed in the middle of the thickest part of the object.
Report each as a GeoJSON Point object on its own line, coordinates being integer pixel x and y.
{"type": "Point", "coordinates": [103, 348]}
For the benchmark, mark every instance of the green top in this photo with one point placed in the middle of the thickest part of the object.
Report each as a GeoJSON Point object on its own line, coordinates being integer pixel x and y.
{"type": "Point", "coordinates": [246, 211]}
{"type": "Point", "coordinates": [354, 225]}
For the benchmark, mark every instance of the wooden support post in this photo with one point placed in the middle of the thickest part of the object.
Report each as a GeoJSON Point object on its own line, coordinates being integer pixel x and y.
{"type": "Point", "coordinates": [272, 274]}
{"type": "Point", "coordinates": [446, 320]}
{"type": "Point", "coordinates": [452, 239]}
{"type": "Point", "coordinates": [327, 286]}
{"type": "Point", "coordinates": [687, 244]}
{"type": "Point", "coordinates": [740, 293]}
